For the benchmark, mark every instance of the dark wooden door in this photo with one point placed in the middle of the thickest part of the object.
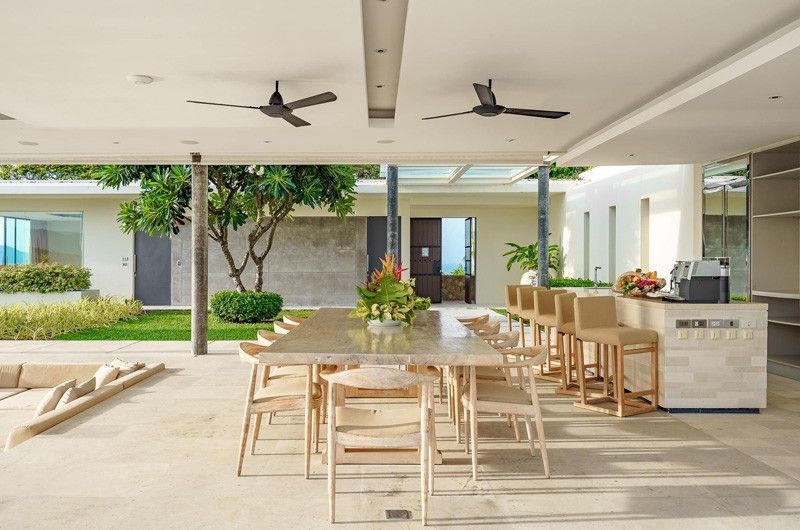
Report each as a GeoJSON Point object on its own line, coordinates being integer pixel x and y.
{"type": "Point", "coordinates": [426, 257]}
{"type": "Point", "coordinates": [152, 269]}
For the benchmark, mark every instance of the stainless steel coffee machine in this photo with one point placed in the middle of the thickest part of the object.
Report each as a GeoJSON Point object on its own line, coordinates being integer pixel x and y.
{"type": "Point", "coordinates": [704, 281]}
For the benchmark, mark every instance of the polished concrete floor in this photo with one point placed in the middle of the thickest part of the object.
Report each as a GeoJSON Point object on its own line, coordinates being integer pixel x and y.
{"type": "Point", "coordinates": [162, 455]}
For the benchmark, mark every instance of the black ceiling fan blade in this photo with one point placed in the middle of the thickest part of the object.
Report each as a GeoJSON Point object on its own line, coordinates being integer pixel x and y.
{"type": "Point", "coordinates": [325, 97]}
{"type": "Point", "coordinates": [294, 120]}
{"type": "Point", "coordinates": [484, 94]}
{"type": "Point", "coordinates": [447, 115]}
{"type": "Point", "coordinates": [220, 104]}
{"type": "Point", "coordinates": [551, 114]}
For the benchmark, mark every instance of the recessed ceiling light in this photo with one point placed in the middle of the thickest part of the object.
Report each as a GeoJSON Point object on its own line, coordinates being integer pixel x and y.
{"type": "Point", "coordinates": [509, 140]}
{"type": "Point", "coordinates": [379, 86]}
{"type": "Point", "coordinates": [115, 143]}
{"type": "Point", "coordinates": [137, 79]}
{"type": "Point", "coordinates": [267, 141]}
{"type": "Point", "coordinates": [632, 154]}
{"type": "Point", "coordinates": [27, 142]}
{"type": "Point", "coordinates": [190, 142]}
{"type": "Point", "coordinates": [381, 50]}
{"type": "Point", "coordinates": [385, 141]}
{"type": "Point", "coordinates": [775, 97]}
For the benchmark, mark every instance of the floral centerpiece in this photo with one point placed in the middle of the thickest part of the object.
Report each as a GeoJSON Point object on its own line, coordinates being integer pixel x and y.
{"type": "Point", "coordinates": [638, 283]}
{"type": "Point", "coordinates": [387, 299]}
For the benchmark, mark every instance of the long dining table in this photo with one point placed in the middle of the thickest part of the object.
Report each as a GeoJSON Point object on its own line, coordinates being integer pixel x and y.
{"type": "Point", "coordinates": [331, 337]}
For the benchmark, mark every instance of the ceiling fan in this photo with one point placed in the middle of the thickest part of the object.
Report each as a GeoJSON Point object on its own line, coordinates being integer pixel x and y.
{"type": "Point", "coordinates": [276, 108]}
{"type": "Point", "coordinates": [489, 107]}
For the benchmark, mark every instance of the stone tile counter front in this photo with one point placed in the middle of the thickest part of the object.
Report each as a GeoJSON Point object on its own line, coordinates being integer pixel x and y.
{"type": "Point", "coordinates": [711, 356]}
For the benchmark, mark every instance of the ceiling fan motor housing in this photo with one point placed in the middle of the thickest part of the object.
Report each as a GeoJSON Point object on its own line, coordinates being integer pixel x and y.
{"type": "Point", "coordinates": [488, 111]}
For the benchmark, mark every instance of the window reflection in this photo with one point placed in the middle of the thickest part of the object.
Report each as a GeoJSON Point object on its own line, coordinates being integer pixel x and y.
{"type": "Point", "coordinates": [41, 237]}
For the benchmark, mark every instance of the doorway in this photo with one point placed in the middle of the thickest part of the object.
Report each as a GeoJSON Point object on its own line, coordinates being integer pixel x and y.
{"type": "Point", "coordinates": [443, 258]}
{"type": "Point", "coordinates": [426, 257]}
{"type": "Point", "coordinates": [152, 269]}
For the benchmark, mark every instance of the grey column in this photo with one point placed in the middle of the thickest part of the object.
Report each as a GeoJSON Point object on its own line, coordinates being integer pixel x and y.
{"type": "Point", "coordinates": [392, 219]}
{"type": "Point", "coordinates": [199, 256]}
{"type": "Point", "coordinates": [544, 223]}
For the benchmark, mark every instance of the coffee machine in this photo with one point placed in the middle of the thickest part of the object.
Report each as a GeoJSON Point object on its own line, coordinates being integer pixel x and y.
{"type": "Point", "coordinates": [703, 281]}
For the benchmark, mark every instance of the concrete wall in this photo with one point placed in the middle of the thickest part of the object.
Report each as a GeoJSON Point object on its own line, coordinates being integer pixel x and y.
{"type": "Point", "coordinates": [314, 261]}
{"type": "Point", "coordinates": [107, 252]}
{"type": "Point", "coordinates": [671, 229]}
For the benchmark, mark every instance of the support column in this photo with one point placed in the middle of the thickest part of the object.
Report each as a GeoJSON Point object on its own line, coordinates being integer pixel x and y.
{"type": "Point", "coordinates": [544, 223]}
{"type": "Point", "coordinates": [392, 219]}
{"type": "Point", "coordinates": [199, 256]}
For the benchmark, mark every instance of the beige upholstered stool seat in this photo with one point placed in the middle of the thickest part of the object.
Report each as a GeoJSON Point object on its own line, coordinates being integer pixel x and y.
{"type": "Point", "coordinates": [546, 319]}
{"type": "Point", "coordinates": [378, 423]}
{"type": "Point", "coordinates": [289, 389]}
{"type": "Point", "coordinates": [618, 336]}
{"type": "Point", "coordinates": [500, 393]}
{"type": "Point", "coordinates": [567, 327]}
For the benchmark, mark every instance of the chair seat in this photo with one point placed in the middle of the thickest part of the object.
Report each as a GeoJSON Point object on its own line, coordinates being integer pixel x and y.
{"type": "Point", "coordinates": [489, 373]}
{"type": "Point", "coordinates": [512, 309]}
{"type": "Point", "coordinates": [282, 372]}
{"type": "Point", "coordinates": [431, 370]}
{"type": "Point", "coordinates": [499, 394]}
{"type": "Point", "coordinates": [378, 423]}
{"type": "Point", "coordinates": [567, 327]}
{"type": "Point", "coordinates": [618, 336]}
{"type": "Point", "coordinates": [527, 314]}
{"type": "Point", "coordinates": [546, 319]}
{"type": "Point", "coordinates": [289, 388]}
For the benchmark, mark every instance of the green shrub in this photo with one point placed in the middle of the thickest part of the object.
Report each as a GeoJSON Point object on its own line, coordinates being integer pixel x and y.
{"type": "Point", "coordinates": [45, 321]}
{"type": "Point", "coordinates": [574, 282]}
{"type": "Point", "coordinates": [458, 271]}
{"type": "Point", "coordinates": [43, 278]}
{"type": "Point", "coordinates": [233, 306]}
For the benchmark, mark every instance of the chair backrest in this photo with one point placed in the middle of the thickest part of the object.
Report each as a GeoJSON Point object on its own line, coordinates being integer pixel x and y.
{"type": "Point", "coordinates": [544, 301]}
{"type": "Point", "coordinates": [511, 295]}
{"type": "Point", "coordinates": [267, 337]}
{"type": "Point", "coordinates": [289, 319]}
{"type": "Point", "coordinates": [248, 352]}
{"type": "Point", "coordinates": [474, 320]}
{"type": "Point", "coordinates": [501, 341]}
{"type": "Point", "coordinates": [489, 328]}
{"type": "Point", "coordinates": [595, 312]}
{"type": "Point", "coordinates": [525, 301]}
{"type": "Point", "coordinates": [565, 308]}
{"type": "Point", "coordinates": [282, 328]}
{"type": "Point", "coordinates": [378, 378]}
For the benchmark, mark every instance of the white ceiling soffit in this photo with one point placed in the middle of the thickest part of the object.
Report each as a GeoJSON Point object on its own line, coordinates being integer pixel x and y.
{"type": "Point", "coordinates": [384, 23]}
{"type": "Point", "coordinates": [65, 82]}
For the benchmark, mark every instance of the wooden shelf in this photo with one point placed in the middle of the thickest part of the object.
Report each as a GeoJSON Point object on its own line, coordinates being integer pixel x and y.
{"type": "Point", "coordinates": [786, 173]}
{"type": "Point", "coordinates": [790, 213]}
{"type": "Point", "coordinates": [792, 295]}
{"type": "Point", "coordinates": [785, 321]}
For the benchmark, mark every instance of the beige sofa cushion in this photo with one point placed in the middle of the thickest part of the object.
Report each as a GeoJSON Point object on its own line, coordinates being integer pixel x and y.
{"type": "Point", "coordinates": [9, 375]}
{"type": "Point", "coordinates": [77, 391]}
{"type": "Point", "coordinates": [8, 392]}
{"type": "Point", "coordinates": [139, 375]}
{"type": "Point", "coordinates": [104, 375]}
{"type": "Point", "coordinates": [125, 367]}
{"type": "Point", "coordinates": [51, 398]}
{"type": "Point", "coordinates": [40, 375]}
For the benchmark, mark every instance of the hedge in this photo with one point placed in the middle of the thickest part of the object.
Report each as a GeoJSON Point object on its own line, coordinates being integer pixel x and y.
{"type": "Point", "coordinates": [233, 306]}
{"type": "Point", "coordinates": [574, 282]}
{"type": "Point", "coordinates": [45, 321]}
{"type": "Point", "coordinates": [43, 278]}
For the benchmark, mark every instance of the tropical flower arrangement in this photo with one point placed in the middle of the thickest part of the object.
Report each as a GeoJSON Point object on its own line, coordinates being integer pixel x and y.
{"type": "Point", "coordinates": [387, 297]}
{"type": "Point", "coordinates": [638, 283]}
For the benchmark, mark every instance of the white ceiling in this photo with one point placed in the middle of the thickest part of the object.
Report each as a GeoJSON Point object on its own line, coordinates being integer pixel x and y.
{"type": "Point", "coordinates": [62, 76]}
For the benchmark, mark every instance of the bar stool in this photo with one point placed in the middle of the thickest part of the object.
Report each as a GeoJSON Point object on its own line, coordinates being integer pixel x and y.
{"type": "Point", "coordinates": [596, 321]}
{"type": "Point", "coordinates": [544, 312]}
{"type": "Point", "coordinates": [512, 306]}
{"type": "Point", "coordinates": [526, 305]}
{"type": "Point", "coordinates": [565, 340]}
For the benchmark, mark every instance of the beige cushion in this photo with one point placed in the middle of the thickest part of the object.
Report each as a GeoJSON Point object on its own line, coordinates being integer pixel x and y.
{"type": "Point", "coordinates": [51, 398]}
{"type": "Point", "coordinates": [500, 393]}
{"type": "Point", "coordinates": [567, 327]}
{"type": "Point", "coordinates": [286, 389]}
{"type": "Point", "coordinates": [378, 423]}
{"type": "Point", "coordinates": [125, 367]}
{"type": "Point", "coordinates": [545, 305]}
{"type": "Point", "coordinates": [546, 319]}
{"type": "Point", "coordinates": [595, 312]}
{"type": "Point", "coordinates": [105, 374]}
{"type": "Point", "coordinates": [618, 335]}
{"type": "Point", "coordinates": [76, 391]}
{"type": "Point", "coordinates": [565, 310]}
{"type": "Point", "coordinates": [41, 375]}
{"type": "Point", "coordinates": [489, 373]}
{"type": "Point", "coordinates": [137, 376]}
{"type": "Point", "coordinates": [9, 375]}
{"type": "Point", "coordinates": [8, 392]}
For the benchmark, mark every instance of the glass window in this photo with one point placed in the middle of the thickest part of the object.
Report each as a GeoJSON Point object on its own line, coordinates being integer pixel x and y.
{"type": "Point", "coordinates": [41, 237]}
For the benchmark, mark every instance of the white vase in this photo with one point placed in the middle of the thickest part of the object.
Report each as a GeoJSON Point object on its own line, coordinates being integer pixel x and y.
{"type": "Point", "coordinates": [529, 278]}
{"type": "Point", "coordinates": [384, 324]}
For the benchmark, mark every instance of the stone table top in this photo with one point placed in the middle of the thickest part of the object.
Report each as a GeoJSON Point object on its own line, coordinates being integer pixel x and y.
{"type": "Point", "coordinates": [331, 337]}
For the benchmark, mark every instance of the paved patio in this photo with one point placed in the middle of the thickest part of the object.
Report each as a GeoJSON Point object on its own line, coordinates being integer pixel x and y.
{"type": "Point", "coordinates": [163, 453]}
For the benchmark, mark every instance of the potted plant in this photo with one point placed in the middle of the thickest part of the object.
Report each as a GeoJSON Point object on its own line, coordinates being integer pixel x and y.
{"type": "Point", "coordinates": [527, 257]}
{"type": "Point", "coordinates": [387, 299]}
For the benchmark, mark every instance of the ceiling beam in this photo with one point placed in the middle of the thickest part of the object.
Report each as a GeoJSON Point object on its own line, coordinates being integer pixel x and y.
{"type": "Point", "coordinates": [458, 173]}
{"type": "Point", "coordinates": [519, 175]}
{"type": "Point", "coordinates": [765, 50]}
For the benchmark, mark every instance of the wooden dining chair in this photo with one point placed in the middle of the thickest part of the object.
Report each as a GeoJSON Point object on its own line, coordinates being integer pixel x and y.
{"type": "Point", "coordinates": [479, 396]}
{"type": "Point", "coordinates": [282, 328]}
{"type": "Point", "coordinates": [266, 337]}
{"type": "Point", "coordinates": [488, 328]}
{"type": "Point", "coordinates": [482, 319]}
{"type": "Point", "coordinates": [291, 319]}
{"type": "Point", "coordinates": [278, 395]}
{"type": "Point", "coordinates": [410, 426]}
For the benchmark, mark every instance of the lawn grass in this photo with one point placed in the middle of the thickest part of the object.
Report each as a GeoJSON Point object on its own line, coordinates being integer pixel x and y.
{"type": "Point", "coordinates": [174, 325]}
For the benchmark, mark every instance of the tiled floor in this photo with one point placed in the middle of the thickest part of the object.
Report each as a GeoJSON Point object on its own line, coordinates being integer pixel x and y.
{"type": "Point", "coordinates": [162, 455]}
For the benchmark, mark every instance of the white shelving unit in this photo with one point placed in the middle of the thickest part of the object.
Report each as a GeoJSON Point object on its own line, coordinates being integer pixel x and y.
{"type": "Point", "coordinates": [775, 250]}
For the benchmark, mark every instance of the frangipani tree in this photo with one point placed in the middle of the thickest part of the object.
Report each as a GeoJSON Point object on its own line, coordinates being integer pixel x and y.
{"type": "Point", "coordinates": [264, 195]}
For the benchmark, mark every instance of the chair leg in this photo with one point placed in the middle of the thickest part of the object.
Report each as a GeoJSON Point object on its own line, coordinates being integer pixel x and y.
{"type": "Point", "coordinates": [256, 432]}
{"type": "Point", "coordinates": [467, 429]}
{"type": "Point", "coordinates": [433, 449]}
{"type": "Point", "coordinates": [581, 370]}
{"type": "Point", "coordinates": [473, 433]}
{"type": "Point", "coordinates": [530, 434]}
{"type": "Point", "coordinates": [424, 450]}
{"type": "Point", "coordinates": [331, 457]}
{"type": "Point", "coordinates": [269, 418]}
{"type": "Point", "coordinates": [441, 385]}
{"type": "Point", "coordinates": [540, 431]}
{"type": "Point", "coordinates": [251, 390]}
{"type": "Point", "coordinates": [515, 423]}
{"type": "Point", "coordinates": [508, 316]}
{"type": "Point", "coordinates": [522, 330]}
{"type": "Point", "coordinates": [619, 379]}
{"type": "Point", "coordinates": [307, 440]}
{"type": "Point", "coordinates": [457, 403]}
{"type": "Point", "coordinates": [316, 417]}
